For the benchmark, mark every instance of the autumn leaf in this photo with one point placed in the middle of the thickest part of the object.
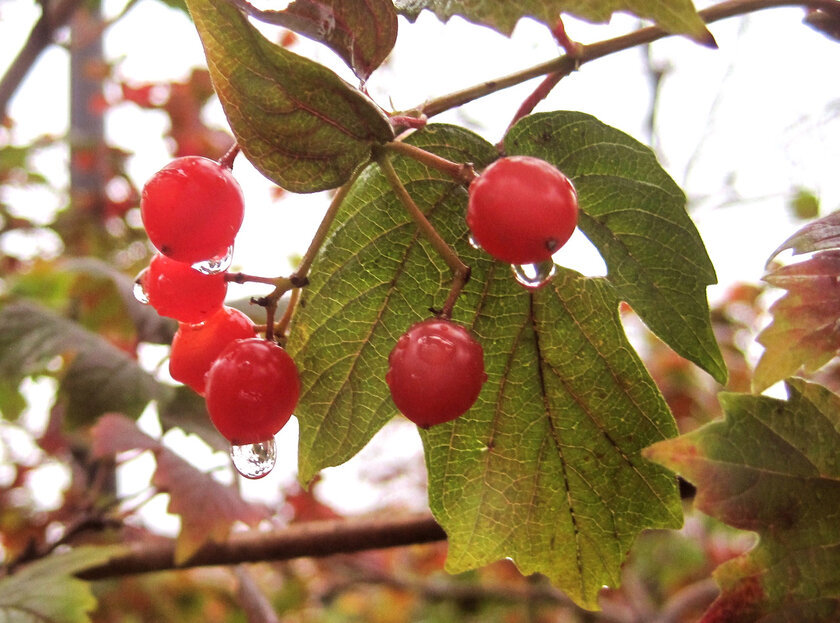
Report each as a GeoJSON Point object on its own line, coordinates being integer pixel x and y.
{"type": "Point", "coordinates": [47, 591]}
{"type": "Point", "coordinates": [362, 33]}
{"type": "Point", "coordinates": [676, 16]}
{"type": "Point", "coordinates": [804, 333]}
{"type": "Point", "coordinates": [298, 122]}
{"type": "Point", "coordinates": [538, 470]}
{"type": "Point", "coordinates": [770, 466]}
{"type": "Point", "coordinates": [206, 507]}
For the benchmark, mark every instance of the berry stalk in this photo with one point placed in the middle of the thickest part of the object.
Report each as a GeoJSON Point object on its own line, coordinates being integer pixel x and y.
{"type": "Point", "coordinates": [460, 271]}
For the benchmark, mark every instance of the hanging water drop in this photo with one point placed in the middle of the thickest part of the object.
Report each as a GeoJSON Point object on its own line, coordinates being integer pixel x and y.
{"type": "Point", "coordinates": [139, 288]}
{"type": "Point", "coordinates": [215, 265]}
{"type": "Point", "coordinates": [534, 276]}
{"type": "Point", "coordinates": [254, 460]}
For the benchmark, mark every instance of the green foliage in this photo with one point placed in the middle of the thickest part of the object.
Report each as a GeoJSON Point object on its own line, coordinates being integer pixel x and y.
{"type": "Point", "coordinates": [46, 590]}
{"type": "Point", "coordinates": [635, 214]}
{"type": "Point", "coordinates": [771, 466]}
{"type": "Point", "coordinates": [96, 376]}
{"type": "Point", "coordinates": [300, 124]}
{"type": "Point", "coordinates": [677, 16]}
{"type": "Point", "coordinates": [561, 379]}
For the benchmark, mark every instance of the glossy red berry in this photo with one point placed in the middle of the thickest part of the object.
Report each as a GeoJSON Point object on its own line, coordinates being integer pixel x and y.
{"type": "Point", "coordinates": [192, 209]}
{"type": "Point", "coordinates": [521, 210]}
{"type": "Point", "coordinates": [435, 372]}
{"type": "Point", "coordinates": [179, 291]}
{"type": "Point", "coordinates": [252, 389]}
{"type": "Point", "coordinates": [196, 346]}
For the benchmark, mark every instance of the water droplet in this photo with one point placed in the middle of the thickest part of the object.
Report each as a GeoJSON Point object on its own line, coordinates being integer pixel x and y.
{"type": "Point", "coordinates": [139, 290]}
{"type": "Point", "coordinates": [534, 276]}
{"type": "Point", "coordinates": [215, 265]}
{"type": "Point", "coordinates": [254, 460]}
{"type": "Point", "coordinates": [474, 243]}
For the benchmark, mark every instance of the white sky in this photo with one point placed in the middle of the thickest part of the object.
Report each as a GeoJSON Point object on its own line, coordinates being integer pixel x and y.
{"type": "Point", "coordinates": [771, 86]}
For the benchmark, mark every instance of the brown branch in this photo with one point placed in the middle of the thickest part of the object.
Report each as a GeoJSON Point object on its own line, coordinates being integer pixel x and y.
{"type": "Point", "coordinates": [314, 539]}
{"type": "Point", "coordinates": [55, 15]}
{"type": "Point", "coordinates": [564, 65]}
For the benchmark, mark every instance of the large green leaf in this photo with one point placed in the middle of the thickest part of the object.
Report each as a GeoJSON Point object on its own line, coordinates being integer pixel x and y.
{"type": "Point", "coordinates": [546, 468]}
{"type": "Point", "coordinates": [635, 214]}
{"type": "Point", "coordinates": [300, 124]}
{"type": "Point", "coordinates": [676, 16]}
{"type": "Point", "coordinates": [540, 468]}
{"type": "Point", "coordinates": [97, 377]}
{"type": "Point", "coordinates": [45, 591]}
{"type": "Point", "coordinates": [771, 466]}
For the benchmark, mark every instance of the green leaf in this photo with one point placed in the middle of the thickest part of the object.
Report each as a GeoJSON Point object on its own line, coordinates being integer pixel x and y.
{"type": "Point", "coordinates": [98, 377]}
{"type": "Point", "coordinates": [12, 402]}
{"type": "Point", "coordinates": [300, 124]}
{"type": "Point", "coordinates": [361, 32]}
{"type": "Point", "coordinates": [804, 332]}
{"type": "Point", "coordinates": [634, 213]}
{"type": "Point", "coordinates": [676, 16]}
{"type": "Point", "coordinates": [546, 468]}
{"type": "Point", "coordinates": [540, 468]}
{"type": "Point", "coordinates": [45, 591]}
{"type": "Point", "coordinates": [771, 466]}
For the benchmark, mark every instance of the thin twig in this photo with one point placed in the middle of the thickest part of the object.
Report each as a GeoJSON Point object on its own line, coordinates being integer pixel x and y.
{"type": "Point", "coordinates": [462, 172]}
{"type": "Point", "coordinates": [564, 65]}
{"type": "Point", "coordinates": [313, 539]}
{"type": "Point", "coordinates": [460, 271]}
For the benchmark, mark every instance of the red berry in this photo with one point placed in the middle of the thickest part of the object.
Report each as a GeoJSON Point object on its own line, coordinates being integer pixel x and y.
{"type": "Point", "coordinates": [196, 346]}
{"type": "Point", "coordinates": [435, 372]}
{"type": "Point", "coordinates": [179, 291]}
{"type": "Point", "coordinates": [252, 389]}
{"type": "Point", "coordinates": [522, 209]}
{"type": "Point", "coordinates": [192, 209]}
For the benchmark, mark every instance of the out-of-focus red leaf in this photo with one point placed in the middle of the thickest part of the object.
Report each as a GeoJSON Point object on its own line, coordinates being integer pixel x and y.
{"type": "Point", "coordinates": [306, 507]}
{"type": "Point", "coordinates": [805, 332]}
{"type": "Point", "coordinates": [207, 507]}
{"type": "Point", "coordinates": [818, 235]}
{"type": "Point", "coordinates": [114, 433]}
{"type": "Point", "coordinates": [770, 467]}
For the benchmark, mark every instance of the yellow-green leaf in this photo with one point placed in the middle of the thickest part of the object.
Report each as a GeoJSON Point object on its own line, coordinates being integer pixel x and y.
{"type": "Point", "coordinates": [676, 16]}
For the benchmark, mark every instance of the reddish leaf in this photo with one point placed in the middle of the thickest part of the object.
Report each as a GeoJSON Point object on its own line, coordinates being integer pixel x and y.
{"type": "Point", "coordinates": [819, 235]}
{"type": "Point", "coordinates": [362, 32]}
{"type": "Point", "coordinates": [771, 467]}
{"type": "Point", "coordinates": [115, 433]}
{"type": "Point", "coordinates": [207, 508]}
{"type": "Point", "coordinates": [805, 331]}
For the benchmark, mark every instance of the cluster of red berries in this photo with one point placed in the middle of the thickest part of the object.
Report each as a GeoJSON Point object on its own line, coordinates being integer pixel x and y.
{"type": "Point", "coordinates": [192, 210]}
{"type": "Point", "coordinates": [521, 210]}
